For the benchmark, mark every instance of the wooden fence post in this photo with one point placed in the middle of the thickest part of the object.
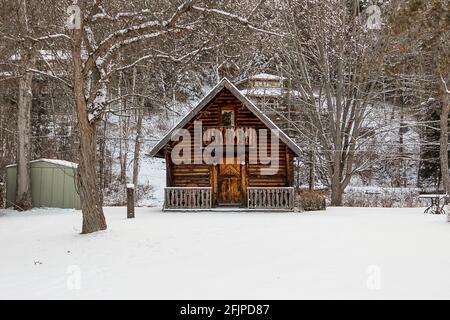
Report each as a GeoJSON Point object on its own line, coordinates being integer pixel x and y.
{"type": "Point", "coordinates": [130, 201]}
{"type": "Point", "coordinates": [2, 195]}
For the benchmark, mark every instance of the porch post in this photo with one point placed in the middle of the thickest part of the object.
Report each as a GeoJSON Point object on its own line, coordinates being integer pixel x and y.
{"type": "Point", "coordinates": [289, 168]}
{"type": "Point", "coordinates": [214, 184]}
{"type": "Point", "coordinates": [244, 180]}
{"type": "Point", "coordinates": [169, 174]}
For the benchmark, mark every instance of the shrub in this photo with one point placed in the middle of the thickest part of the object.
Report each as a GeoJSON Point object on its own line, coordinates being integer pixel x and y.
{"type": "Point", "coordinates": [381, 197]}
{"type": "Point", "coordinates": [311, 200]}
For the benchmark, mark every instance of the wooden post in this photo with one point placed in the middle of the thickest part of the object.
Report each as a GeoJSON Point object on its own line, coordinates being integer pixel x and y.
{"type": "Point", "coordinates": [289, 168]}
{"type": "Point", "coordinates": [169, 174]}
{"type": "Point", "coordinates": [2, 196]}
{"type": "Point", "coordinates": [130, 201]}
{"type": "Point", "coordinates": [214, 184]}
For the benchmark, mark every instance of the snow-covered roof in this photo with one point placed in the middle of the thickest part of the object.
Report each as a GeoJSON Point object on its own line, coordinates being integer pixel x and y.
{"type": "Point", "coordinates": [225, 83]}
{"type": "Point", "coordinates": [6, 74]}
{"type": "Point", "coordinates": [268, 92]}
{"type": "Point", "coordinates": [261, 77]}
{"type": "Point", "coordinates": [47, 55]}
{"type": "Point", "coordinates": [266, 76]}
{"type": "Point", "coordinates": [63, 163]}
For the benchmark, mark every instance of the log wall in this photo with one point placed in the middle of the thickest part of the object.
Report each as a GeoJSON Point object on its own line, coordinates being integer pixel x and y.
{"type": "Point", "coordinates": [203, 175]}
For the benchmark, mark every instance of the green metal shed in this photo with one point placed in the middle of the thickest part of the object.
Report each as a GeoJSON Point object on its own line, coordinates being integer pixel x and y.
{"type": "Point", "coordinates": [52, 184]}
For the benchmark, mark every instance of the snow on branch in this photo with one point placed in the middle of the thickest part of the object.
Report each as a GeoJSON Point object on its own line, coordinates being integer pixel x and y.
{"type": "Point", "coordinates": [155, 28]}
{"type": "Point", "coordinates": [162, 55]}
{"type": "Point", "coordinates": [100, 61]}
{"type": "Point", "coordinates": [105, 16]}
{"type": "Point", "coordinates": [255, 8]}
{"type": "Point", "coordinates": [51, 75]}
{"type": "Point", "coordinates": [90, 37]}
{"type": "Point", "coordinates": [96, 108]}
{"type": "Point", "coordinates": [236, 18]}
{"type": "Point", "coordinates": [53, 36]}
{"type": "Point", "coordinates": [444, 84]}
{"type": "Point", "coordinates": [126, 36]}
{"type": "Point", "coordinates": [131, 30]}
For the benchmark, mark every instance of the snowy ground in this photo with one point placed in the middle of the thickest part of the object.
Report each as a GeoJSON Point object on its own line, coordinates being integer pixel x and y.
{"type": "Point", "coordinates": [340, 253]}
{"type": "Point", "coordinates": [153, 172]}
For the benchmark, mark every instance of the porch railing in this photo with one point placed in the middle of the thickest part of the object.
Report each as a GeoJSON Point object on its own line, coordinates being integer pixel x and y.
{"type": "Point", "coordinates": [187, 198]}
{"type": "Point", "coordinates": [270, 198]}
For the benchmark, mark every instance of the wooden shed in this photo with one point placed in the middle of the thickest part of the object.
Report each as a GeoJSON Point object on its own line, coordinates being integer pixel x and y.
{"type": "Point", "coordinates": [52, 184]}
{"type": "Point", "coordinates": [255, 165]}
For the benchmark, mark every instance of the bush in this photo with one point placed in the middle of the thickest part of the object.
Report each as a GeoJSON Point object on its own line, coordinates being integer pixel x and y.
{"type": "Point", "coordinates": [381, 197]}
{"type": "Point", "coordinates": [311, 200]}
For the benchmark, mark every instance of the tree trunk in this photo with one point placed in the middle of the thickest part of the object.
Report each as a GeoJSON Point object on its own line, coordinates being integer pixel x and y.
{"type": "Point", "coordinates": [336, 189]}
{"type": "Point", "coordinates": [23, 192]}
{"type": "Point", "coordinates": [443, 149]}
{"type": "Point", "coordinates": [137, 144]}
{"type": "Point", "coordinates": [137, 148]}
{"type": "Point", "coordinates": [87, 178]}
{"type": "Point", "coordinates": [402, 179]}
{"type": "Point", "coordinates": [123, 150]}
{"type": "Point", "coordinates": [336, 195]}
{"type": "Point", "coordinates": [102, 162]}
{"type": "Point", "coordinates": [88, 187]}
{"type": "Point", "coordinates": [311, 170]}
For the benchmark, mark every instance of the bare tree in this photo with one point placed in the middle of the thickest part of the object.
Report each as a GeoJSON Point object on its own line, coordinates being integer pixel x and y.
{"type": "Point", "coordinates": [421, 29]}
{"type": "Point", "coordinates": [335, 62]}
{"type": "Point", "coordinates": [25, 35]}
{"type": "Point", "coordinates": [101, 31]}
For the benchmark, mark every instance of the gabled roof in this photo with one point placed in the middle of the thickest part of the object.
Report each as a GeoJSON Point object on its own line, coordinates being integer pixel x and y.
{"type": "Point", "coordinates": [225, 83]}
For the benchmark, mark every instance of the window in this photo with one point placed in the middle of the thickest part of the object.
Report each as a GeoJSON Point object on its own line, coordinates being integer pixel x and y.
{"type": "Point", "coordinates": [227, 118]}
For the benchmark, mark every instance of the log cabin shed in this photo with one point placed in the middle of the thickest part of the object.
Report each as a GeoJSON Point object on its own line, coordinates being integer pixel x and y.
{"type": "Point", "coordinates": [52, 184]}
{"type": "Point", "coordinates": [246, 181]}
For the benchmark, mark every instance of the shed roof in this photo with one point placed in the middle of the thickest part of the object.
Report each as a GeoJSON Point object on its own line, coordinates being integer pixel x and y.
{"type": "Point", "coordinates": [268, 92]}
{"type": "Point", "coordinates": [261, 77]}
{"type": "Point", "coordinates": [63, 163]}
{"type": "Point", "coordinates": [265, 76]}
{"type": "Point", "coordinates": [225, 83]}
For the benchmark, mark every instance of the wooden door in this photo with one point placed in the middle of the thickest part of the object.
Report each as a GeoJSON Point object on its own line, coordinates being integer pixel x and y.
{"type": "Point", "coordinates": [230, 184]}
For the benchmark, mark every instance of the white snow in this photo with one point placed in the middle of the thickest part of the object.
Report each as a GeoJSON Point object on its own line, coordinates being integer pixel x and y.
{"type": "Point", "coordinates": [339, 253]}
{"type": "Point", "coordinates": [63, 163]}
{"type": "Point", "coordinates": [47, 55]}
{"type": "Point", "coordinates": [268, 92]}
{"type": "Point", "coordinates": [153, 172]}
{"type": "Point", "coordinates": [97, 106]}
{"type": "Point", "coordinates": [266, 76]}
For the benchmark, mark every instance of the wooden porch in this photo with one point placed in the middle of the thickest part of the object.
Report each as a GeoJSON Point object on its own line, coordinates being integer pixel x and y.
{"type": "Point", "coordinates": [200, 199]}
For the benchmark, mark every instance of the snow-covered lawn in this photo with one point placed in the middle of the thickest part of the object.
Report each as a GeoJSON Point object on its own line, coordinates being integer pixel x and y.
{"type": "Point", "coordinates": [340, 253]}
